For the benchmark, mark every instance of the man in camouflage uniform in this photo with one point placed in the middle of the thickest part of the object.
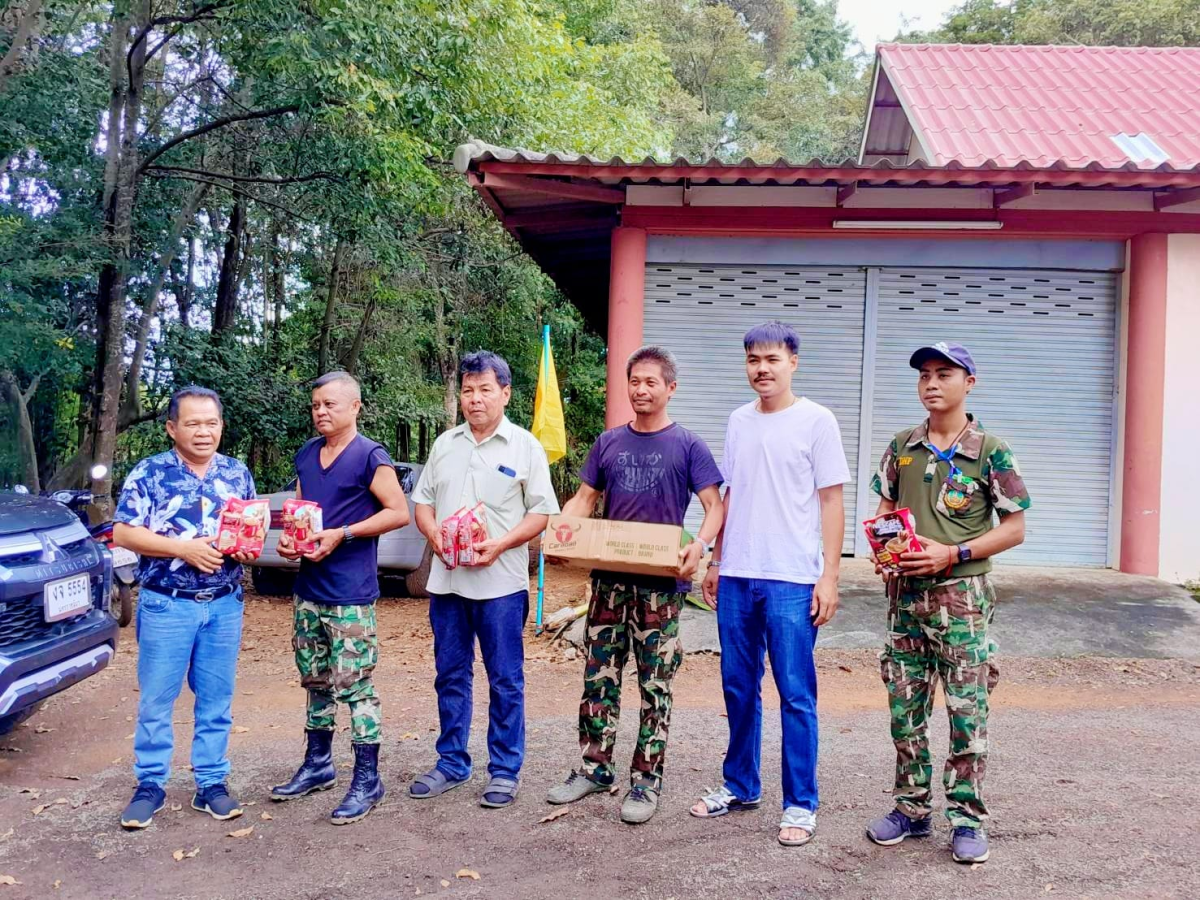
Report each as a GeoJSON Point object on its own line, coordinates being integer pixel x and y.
{"type": "Point", "coordinates": [942, 604]}
{"type": "Point", "coordinates": [647, 471]}
{"type": "Point", "coordinates": [354, 482]}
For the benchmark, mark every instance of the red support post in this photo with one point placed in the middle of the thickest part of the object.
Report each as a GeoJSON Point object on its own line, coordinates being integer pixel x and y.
{"type": "Point", "coordinates": [1141, 490]}
{"type": "Point", "coordinates": [626, 296]}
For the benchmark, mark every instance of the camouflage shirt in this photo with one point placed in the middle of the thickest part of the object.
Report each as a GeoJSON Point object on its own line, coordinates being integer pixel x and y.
{"type": "Point", "coordinates": [953, 507]}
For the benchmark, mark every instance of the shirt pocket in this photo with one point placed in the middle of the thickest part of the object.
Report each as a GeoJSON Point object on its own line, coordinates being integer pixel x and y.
{"type": "Point", "coordinates": [495, 489]}
{"type": "Point", "coordinates": [957, 500]}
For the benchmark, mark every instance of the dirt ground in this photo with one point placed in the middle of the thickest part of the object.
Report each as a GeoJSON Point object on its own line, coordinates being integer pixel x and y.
{"type": "Point", "coordinates": [1093, 786]}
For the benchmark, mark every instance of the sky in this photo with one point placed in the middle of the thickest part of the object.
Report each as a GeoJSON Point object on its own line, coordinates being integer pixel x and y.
{"type": "Point", "coordinates": [877, 20]}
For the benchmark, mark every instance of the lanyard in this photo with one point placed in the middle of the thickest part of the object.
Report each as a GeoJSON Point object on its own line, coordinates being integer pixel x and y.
{"type": "Point", "coordinates": [947, 456]}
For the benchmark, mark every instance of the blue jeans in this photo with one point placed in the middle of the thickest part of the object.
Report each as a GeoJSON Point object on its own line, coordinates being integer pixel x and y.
{"type": "Point", "coordinates": [500, 625]}
{"type": "Point", "coordinates": [178, 637]}
{"type": "Point", "coordinates": [752, 616]}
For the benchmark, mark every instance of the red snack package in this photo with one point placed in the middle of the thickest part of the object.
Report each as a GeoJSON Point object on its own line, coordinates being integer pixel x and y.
{"type": "Point", "coordinates": [302, 519]}
{"type": "Point", "coordinates": [472, 529]}
{"type": "Point", "coordinates": [243, 526]}
{"type": "Point", "coordinates": [229, 525]}
{"type": "Point", "coordinates": [450, 538]}
{"type": "Point", "coordinates": [890, 535]}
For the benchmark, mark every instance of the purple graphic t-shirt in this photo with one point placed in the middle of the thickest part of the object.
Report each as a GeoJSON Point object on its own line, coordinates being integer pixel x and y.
{"type": "Point", "coordinates": [649, 477]}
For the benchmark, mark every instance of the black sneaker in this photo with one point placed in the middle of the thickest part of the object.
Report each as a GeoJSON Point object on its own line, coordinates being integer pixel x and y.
{"type": "Point", "coordinates": [217, 802]}
{"type": "Point", "coordinates": [147, 800]}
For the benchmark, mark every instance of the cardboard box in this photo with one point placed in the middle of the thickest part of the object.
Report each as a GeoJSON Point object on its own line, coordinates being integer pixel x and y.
{"type": "Point", "coordinates": [631, 547]}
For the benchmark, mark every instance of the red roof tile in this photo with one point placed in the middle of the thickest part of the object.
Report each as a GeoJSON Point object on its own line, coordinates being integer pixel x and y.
{"type": "Point", "coordinates": [981, 104]}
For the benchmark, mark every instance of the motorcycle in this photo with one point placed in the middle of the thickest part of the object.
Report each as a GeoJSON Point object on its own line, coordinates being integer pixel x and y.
{"type": "Point", "coordinates": [125, 561]}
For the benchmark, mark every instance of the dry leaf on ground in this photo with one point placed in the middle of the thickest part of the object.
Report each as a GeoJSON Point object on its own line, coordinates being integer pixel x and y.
{"type": "Point", "coordinates": [40, 808]}
{"type": "Point", "coordinates": [242, 832]}
{"type": "Point", "coordinates": [42, 729]}
{"type": "Point", "coordinates": [266, 816]}
{"type": "Point", "coordinates": [467, 873]}
{"type": "Point", "coordinates": [8, 879]}
{"type": "Point", "coordinates": [557, 814]}
{"type": "Point", "coordinates": [57, 883]}
{"type": "Point", "coordinates": [180, 855]}
{"type": "Point", "coordinates": [445, 883]}
{"type": "Point", "coordinates": [101, 854]}
{"type": "Point", "coordinates": [176, 807]}
{"type": "Point", "coordinates": [240, 729]}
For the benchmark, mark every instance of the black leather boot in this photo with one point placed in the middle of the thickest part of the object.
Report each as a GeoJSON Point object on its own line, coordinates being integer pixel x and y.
{"type": "Point", "coordinates": [366, 790]}
{"type": "Point", "coordinates": [316, 773]}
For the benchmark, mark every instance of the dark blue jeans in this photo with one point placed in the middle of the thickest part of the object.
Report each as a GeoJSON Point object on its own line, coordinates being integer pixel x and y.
{"type": "Point", "coordinates": [754, 616]}
{"type": "Point", "coordinates": [499, 624]}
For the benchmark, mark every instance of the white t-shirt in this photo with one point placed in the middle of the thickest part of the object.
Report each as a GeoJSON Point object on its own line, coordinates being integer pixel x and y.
{"type": "Point", "coordinates": [774, 464]}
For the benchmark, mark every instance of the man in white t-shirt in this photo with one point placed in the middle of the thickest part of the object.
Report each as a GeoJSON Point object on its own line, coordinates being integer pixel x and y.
{"type": "Point", "coordinates": [773, 577]}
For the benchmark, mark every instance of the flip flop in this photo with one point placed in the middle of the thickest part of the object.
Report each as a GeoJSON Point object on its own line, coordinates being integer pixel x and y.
{"type": "Point", "coordinates": [503, 789]}
{"type": "Point", "coordinates": [722, 801]}
{"type": "Point", "coordinates": [436, 782]}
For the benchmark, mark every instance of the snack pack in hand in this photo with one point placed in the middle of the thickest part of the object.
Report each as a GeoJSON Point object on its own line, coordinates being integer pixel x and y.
{"type": "Point", "coordinates": [890, 535]}
{"type": "Point", "coordinates": [450, 538]}
{"type": "Point", "coordinates": [302, 520]}
{"type": "Point", "coordinates": [472, 530]}
{"type": "Point", "coordinates": [243, 526]}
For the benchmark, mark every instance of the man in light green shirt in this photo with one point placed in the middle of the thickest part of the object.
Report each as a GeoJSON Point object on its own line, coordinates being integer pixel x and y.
{"type": "Point", "coordinates": [486, 460]}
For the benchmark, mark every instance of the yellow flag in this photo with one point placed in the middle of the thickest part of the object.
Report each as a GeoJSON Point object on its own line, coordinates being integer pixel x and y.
{"type": "Point", "coordinates": [548, 425]}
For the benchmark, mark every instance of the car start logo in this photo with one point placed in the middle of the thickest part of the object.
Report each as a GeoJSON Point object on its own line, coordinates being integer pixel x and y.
{"type": "Point", "coordinates": [564, 533]}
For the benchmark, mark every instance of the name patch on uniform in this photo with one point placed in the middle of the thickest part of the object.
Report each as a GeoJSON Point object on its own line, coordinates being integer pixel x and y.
{"type": "Point", "coordinates": [906, 460]}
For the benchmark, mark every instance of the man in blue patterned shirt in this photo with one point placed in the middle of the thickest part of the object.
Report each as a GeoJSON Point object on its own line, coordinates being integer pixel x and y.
{"type": "Point", "coordinates": [189, 620]}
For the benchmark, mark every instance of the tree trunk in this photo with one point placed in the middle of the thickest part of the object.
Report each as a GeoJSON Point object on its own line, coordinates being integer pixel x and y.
{"type": "Point", "coordinates": [27, 449]}
{"type": "Point", "coordinates": [27, 26]}
{"type": "Point", "coordinates": [335, 271]}
{"type": "Point", "coordinates": [184, 296]}
{"type": "Point", "coordinates": [447, 365]}
{"type": "Point", "coordinates": [228, 281]}
{"type": "Point", "coordinates": [360, 336]}
{"type": "Point", "coordinates": [114, 275]}
{"type": "Point", "coordinates": [279, 276]}
{"type": "Point", "coordinates": [132, 407]}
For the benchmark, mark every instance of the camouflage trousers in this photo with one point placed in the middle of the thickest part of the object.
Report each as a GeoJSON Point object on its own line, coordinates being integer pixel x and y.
{"type": "Point", "coordinates": [336, 651]}
{"type": "Point", "coordinates": [938, 627]}
{"type": "Point", "coordinates": [621, 617]}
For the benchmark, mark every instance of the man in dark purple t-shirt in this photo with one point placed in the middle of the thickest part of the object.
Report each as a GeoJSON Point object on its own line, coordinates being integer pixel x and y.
{"type": "Point", "coordinates": [647, 471]}
{"type": "Point", "coordinates": [354, 482]}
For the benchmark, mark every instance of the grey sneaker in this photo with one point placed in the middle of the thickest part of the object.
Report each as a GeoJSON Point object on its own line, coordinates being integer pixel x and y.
{"type": "Point", "coordinates": [896, 826]}
{"type": "Point", "coordinates": [576, 787]}
{"type": "Point", "coordinates": [640, 804]}
{"type": "Point", "coordinates": [969, 845]}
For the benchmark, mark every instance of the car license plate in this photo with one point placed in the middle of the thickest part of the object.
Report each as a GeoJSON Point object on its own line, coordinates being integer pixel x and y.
{"type": "Point", "coordinates": [67, 597]}
{"type": "Point", "coordinates": [123, 557]}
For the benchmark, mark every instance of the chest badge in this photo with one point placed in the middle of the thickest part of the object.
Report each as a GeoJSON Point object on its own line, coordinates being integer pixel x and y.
{"type": "Point", "coordinates": [906, 460]}
{"type": "Point", "coordinates": [956, 499]}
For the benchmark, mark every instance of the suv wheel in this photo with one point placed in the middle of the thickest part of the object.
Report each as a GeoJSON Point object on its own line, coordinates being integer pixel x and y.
{"type": "Point", "coordinates": [416, 582]}
{"type": "Point", "coordinates": [272, 582]}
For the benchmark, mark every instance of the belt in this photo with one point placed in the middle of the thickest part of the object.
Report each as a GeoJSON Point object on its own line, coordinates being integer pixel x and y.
{"type": "Point", "coordinates": [206, 595]}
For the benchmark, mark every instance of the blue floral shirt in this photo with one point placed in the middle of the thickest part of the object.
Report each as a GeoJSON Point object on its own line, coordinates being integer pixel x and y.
{"type": "Point", "coordinates": [164, 495]}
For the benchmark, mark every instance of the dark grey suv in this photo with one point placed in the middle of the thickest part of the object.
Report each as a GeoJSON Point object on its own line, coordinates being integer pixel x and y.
{"type": "Point", "coordinates": [55, 583]}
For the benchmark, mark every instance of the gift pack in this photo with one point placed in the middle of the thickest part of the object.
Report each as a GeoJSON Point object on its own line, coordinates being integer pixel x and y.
{"type": "Point", "coordinates": [460, 533]}
{"type": "Point", "coordinates": [242, 527]}
{"type": "Point", "coordinates": [302, 521]}
{"type": "Point", "coordinates": [890, 535]}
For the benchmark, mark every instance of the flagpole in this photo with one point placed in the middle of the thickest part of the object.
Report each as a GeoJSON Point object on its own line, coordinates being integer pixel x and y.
{"type": "Point", "coordinates": [541, 587]}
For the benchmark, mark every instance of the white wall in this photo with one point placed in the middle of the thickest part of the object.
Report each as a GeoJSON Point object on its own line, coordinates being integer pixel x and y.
{"type": "Point", "coordinates": [1179, 541]}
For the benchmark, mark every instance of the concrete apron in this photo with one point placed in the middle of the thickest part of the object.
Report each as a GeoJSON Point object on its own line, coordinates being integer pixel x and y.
{"type": "Point", "coordinates": [1040, 612]}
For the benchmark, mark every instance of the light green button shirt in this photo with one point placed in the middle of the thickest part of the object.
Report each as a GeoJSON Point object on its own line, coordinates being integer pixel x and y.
{"type": "Point", "coordinates": [462, 472]}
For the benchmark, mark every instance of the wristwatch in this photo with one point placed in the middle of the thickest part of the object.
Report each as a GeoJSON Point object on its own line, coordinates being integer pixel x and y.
{"type": "Point", "coordinates": [964, 553]}
{"type": "Point", "coordinates": [347, 534]}
{"type": "Point", "coordinates": [706, 547]}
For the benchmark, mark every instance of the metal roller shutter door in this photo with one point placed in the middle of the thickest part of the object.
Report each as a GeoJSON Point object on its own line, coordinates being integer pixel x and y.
{"type": "Point", "coordinates": [1045, 345]}
{"type": "Point", "coordinates": [700, 313]}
